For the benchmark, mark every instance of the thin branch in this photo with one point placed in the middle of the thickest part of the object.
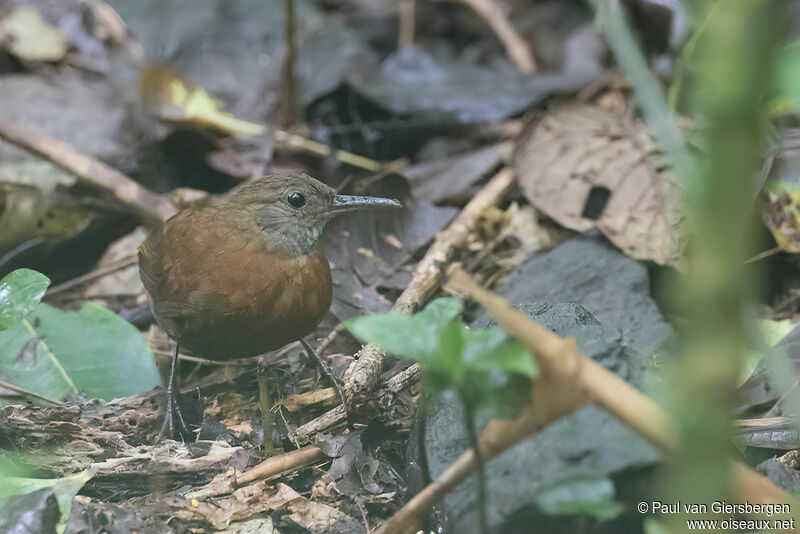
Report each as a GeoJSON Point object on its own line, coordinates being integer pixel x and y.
{"type": "Point", "coordinates": [16, 389]}
{"type": "Point", "coordinates": [290, 85]}
{"type": "Point", "coordinates": [406, 12]}
{"type": "Point", "coordinates": [150, 206]}
{"type": "Point", "coordinates": [518, 50]}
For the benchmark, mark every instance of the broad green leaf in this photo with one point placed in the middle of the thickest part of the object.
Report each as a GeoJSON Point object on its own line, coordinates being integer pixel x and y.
{"type": "Point", "coordinates": [448, 357]}
{"type": "Point", "coordinates": [415, 337]}
{"type": "Point", "coordinates": [498, 393]}
{"type": "Point", "coordinates": [63, 488]}
{"type": "Point", "coordinates": [95, 352]}
{"type": "Point", "coordinates": [20, 293]}
{"type": "Point", "coordinates": [487, 349]}
{"type": "Point", "coordinates": [585, 494]}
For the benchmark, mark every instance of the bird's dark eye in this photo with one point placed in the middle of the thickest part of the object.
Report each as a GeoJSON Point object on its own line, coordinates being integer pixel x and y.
{"type": "Point", "coordinates": [296, 199]}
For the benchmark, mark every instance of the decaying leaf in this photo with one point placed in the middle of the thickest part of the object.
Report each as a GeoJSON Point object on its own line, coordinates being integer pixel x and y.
{"type": "Point", "coordinates": [174, 100]}
{"type": "Point", "coordinates": [29, 37]}
{"type": "Point", "coordinates": [782, 217]}
{"type": "Point", "coordinates": [255, 500]}
{"type": "Point", "coordinates": [28, 213]}
{"type": "Point", "coordinates": [587, 167]}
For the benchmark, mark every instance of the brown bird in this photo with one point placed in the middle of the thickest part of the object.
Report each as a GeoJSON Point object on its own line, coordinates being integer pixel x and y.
{"type": "Point", "coordinates": [246, 275]}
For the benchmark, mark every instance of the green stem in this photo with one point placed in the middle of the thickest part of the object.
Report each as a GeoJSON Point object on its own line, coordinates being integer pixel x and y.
{"type": "Point", "coordinates": [480, 486]}
{"type": "Point", "coordinates": [647, 89]}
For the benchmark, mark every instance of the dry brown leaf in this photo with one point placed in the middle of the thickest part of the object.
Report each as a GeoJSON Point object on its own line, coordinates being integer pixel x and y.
{"type": "Point", "coordinates": [257, 499]}
{"type": "Point", "coordinates": [243, 504]}
{"type": "Point", "coordinates": [782, 217]}
{"type": "Point", "coordinates": [30, 37]}
{"type": "Point", "coordinates": [586, 167]}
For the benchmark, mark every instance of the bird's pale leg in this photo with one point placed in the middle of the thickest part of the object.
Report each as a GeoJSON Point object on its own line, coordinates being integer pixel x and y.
{"type": "Point", "coordinates": [265, 404]}
{"type": "Point", "coordinates": [324, 366]}
{"type": "Point", "coordinates": [172, 404]}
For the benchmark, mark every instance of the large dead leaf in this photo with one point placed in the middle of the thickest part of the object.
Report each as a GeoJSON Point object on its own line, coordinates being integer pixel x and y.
{"type": "Point", "coordinates": [587, 167]}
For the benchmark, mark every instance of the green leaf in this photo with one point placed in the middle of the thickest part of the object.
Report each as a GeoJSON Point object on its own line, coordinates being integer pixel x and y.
{"type": "Point", "coordinates": [63, 488]}
{"type": "Point", "coordinates": [20, 293]}
{"type": "Point", "coordinates": [55, 353]}
{"type": "Point", "coordinates": [586, 494]}
{"type": "Point", "coordinates": [415, 337]}
{"type": "Point", "coordinates": [487, 349]}
{"type": "Point", "coordinates": [497, 393]}
{"type": "Point", "coordinates": [448, 358]}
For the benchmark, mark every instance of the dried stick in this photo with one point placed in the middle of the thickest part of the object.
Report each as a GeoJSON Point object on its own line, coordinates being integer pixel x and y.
{"type": "Point", "coordinates": [406, 12]}
{"type": "Point", "coordinates": [518, 50]}
{"type": "Point", "coordinates": [271, 467]}
{"type": "Point", "coordinates": [568, 381]}
{"type": "Point", "coordinates": [289, 67]}
{"type": "Point", "coordinates": [363, 374]}
{"type": "Point", "coordinates": [16, 389]}
{"type": "Point", "coordinates": [122, 263]}
{"type": "Point", "coordinates": [150, 206]}
{"type": "Point", "coordinates": [297, 401]}
{"type": "Point", "coordinates": [283, 463]}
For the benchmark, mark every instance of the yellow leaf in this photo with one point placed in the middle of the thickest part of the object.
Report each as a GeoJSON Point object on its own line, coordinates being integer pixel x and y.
{"type": "Point", "coordinates": [198, 107]}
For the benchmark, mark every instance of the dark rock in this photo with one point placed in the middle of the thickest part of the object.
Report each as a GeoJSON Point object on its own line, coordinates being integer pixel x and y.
{"type": "Point", "coordinates": [781, 474]}
{"type": "Point", "coordinates": [591, 272]}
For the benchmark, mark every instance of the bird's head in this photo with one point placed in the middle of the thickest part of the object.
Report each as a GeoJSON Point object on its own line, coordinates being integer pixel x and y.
{"type": "Point", "coordinates": [291, 210]}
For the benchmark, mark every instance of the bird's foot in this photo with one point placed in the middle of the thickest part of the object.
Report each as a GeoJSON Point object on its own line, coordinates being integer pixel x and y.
{"type": "Point", "coordinates": [171, 423]}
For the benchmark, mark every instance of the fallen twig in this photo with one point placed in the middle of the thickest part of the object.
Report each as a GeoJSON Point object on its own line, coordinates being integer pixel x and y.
{"type": "Point", "coordinates": [518, 50]}
{"type": "Point", "coordinates": [296, 402]}
{"type": "Point", "coordinates": [148, 205]}
{"type": "Point", "coordinates": [568, 381]}
{"type": "Point", "coordinates": [291, 140]}
{"type": "Point", "coordinates": [94, 274]}
{"type": "Point", "coordinates": [226, 483]}
{"type": "Point", "coordinates": [406, 13]}
{"type": "Point", "coordinates": [282, 463]}
{"type": "Point", "coordinates": [16, 389]}
{"type": "Point", "coordinates": [363, 374]}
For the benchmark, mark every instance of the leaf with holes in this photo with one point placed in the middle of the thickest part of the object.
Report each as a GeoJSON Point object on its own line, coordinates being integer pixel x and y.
{"type": "Point", "coordinates": [587, 167]}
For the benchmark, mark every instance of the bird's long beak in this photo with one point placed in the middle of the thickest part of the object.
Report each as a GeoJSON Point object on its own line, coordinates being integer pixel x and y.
{"type": "Point", "coordinates": [343, 203]}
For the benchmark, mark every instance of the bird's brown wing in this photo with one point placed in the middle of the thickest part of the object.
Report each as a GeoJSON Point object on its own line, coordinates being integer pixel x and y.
{"type": "Point", "coordinates": [151, 269]}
